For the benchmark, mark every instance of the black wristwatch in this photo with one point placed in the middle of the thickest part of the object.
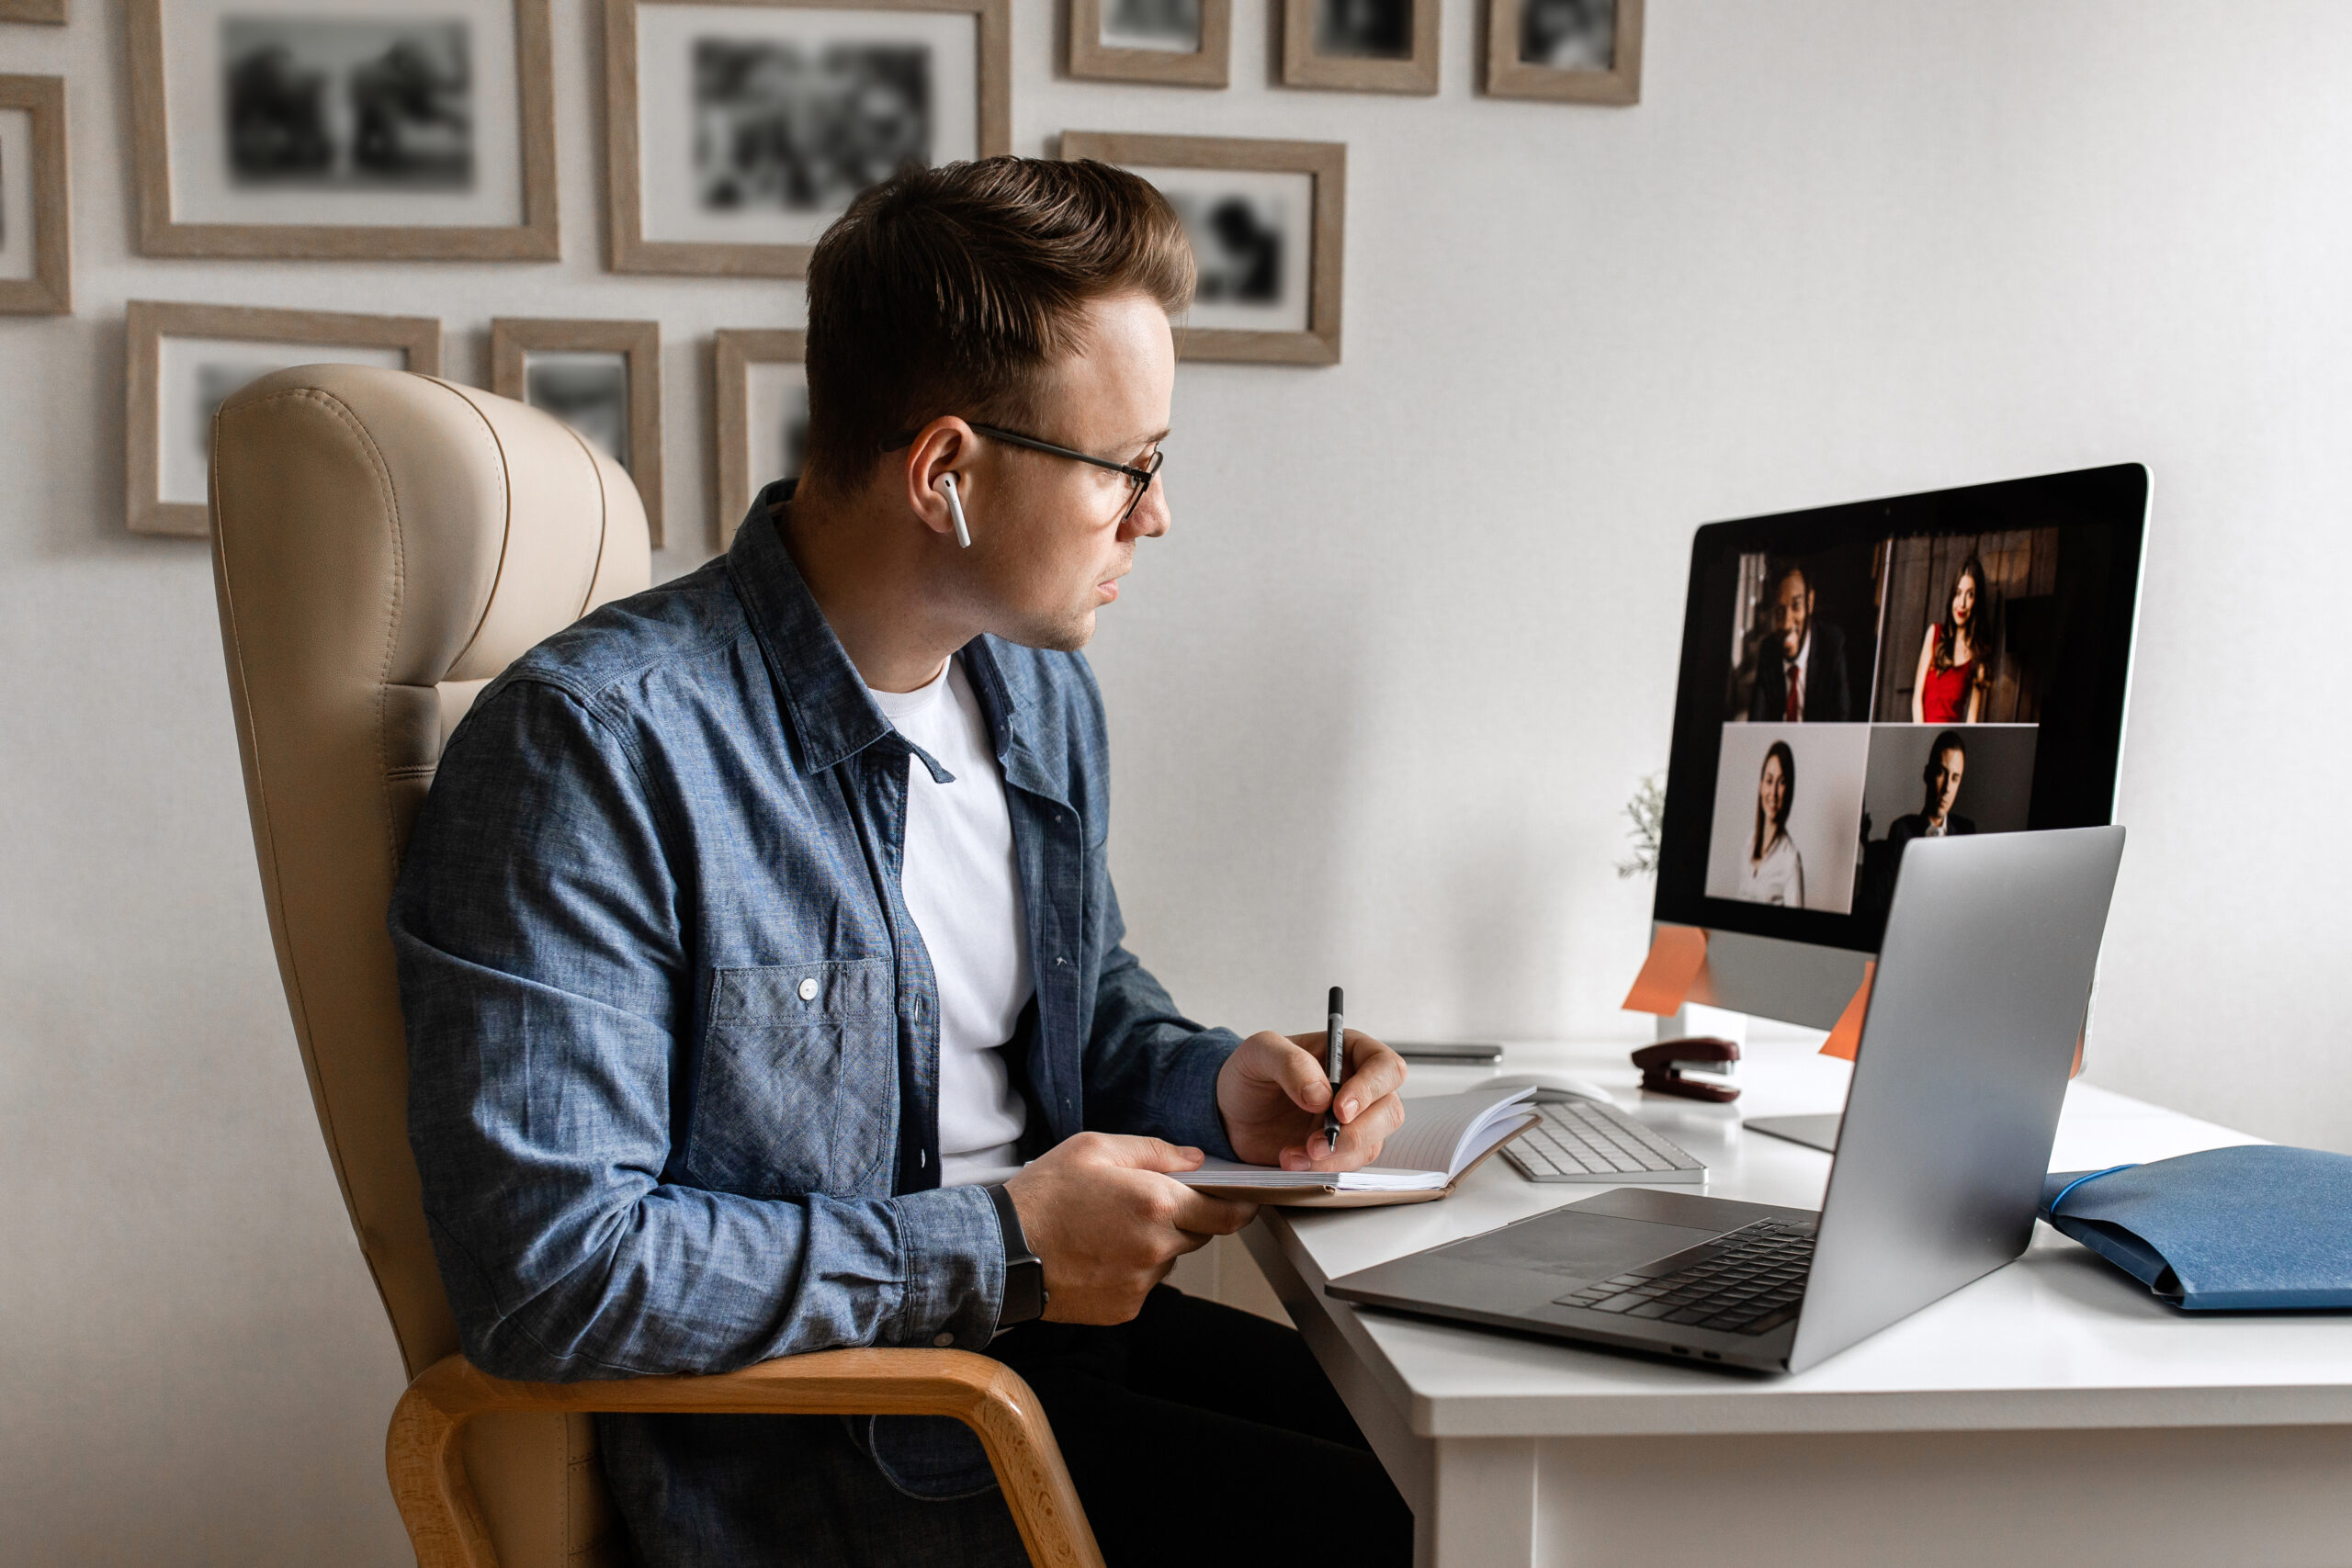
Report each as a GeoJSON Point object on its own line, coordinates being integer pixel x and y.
{"type": "Point", "coordinates": [1024, 1272]}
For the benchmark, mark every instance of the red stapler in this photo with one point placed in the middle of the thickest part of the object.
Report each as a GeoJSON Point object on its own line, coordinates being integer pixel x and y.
{"type": "Point", "coordinates": [1663, 1065]}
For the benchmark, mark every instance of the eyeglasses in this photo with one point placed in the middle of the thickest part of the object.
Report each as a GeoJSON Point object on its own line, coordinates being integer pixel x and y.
{"type": "Point", "coordinates": [1139, 477]}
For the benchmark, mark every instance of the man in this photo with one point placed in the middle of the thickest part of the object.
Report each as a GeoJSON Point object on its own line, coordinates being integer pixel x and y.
{"type": "Point", "coordinates": [758, 927]}
{"type": "Point", "coordinates": [1801, 665]}
{"type": "Point", "coordinates": [1947, 763]}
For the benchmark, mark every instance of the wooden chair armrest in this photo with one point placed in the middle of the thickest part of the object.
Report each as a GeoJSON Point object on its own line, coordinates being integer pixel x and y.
{"type": "Point", "coordinates": [445, 1523]}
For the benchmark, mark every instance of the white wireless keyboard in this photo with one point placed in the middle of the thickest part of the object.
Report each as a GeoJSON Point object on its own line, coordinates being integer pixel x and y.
{"type": "Point", "coordinates": [1581, 1140]}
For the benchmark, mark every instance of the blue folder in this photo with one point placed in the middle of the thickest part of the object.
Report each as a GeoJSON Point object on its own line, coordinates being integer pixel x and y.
{"type": "Point", "coordinates": [2257, 1228]}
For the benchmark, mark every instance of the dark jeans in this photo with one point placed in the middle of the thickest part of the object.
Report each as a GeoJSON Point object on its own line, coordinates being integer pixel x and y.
{"type": "Point", "coordinates": [1196, 1434]}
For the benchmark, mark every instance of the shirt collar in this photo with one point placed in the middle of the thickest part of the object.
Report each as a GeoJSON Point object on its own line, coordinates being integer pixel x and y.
{"type": "Point", "coordinates": [827, 708]}
{"type": "Point", "coordinates": [825, 705]}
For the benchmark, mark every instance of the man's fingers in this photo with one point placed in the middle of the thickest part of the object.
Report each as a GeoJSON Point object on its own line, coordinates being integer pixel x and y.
{"type": "Point", "coordinates": [1379, 1073]}
{"type": "Point", "coordinates": [1299, 1070]}
{"type": "Point", "coordinates": [1139, 1153]}
{"type": "Point", "coordinates": [1205, 1216]}
{"type": "Point", "coordinates": [1360, 1140]}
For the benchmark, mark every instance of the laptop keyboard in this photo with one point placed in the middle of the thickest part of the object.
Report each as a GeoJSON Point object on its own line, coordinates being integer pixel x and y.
{"type": "Point", "coordinates": [1748, 1282]}
{"type": "Point", "coordinates": [1582, 1140]}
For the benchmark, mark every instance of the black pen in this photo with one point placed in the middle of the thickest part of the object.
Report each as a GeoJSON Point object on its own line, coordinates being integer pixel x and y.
{"type": "Point", "coordinates": [1335, 1061]}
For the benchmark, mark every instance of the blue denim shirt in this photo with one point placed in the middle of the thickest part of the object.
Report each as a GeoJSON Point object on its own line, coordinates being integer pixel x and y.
{"type": "Point", "coordinates": [674, 1037]}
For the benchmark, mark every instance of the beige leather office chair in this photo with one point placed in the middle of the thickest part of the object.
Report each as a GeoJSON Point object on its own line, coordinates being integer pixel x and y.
{"type": "Point", "coordinates": [382, 545]}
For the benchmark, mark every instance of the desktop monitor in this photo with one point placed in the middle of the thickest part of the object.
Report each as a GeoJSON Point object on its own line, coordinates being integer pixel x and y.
{"type": "Point", "coordinates": [1857, 676]}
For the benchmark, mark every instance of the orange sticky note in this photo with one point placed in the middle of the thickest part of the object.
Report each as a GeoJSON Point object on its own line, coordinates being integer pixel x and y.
{"type": "Point", "coordinates": [2076, 1070]}
{"type": "Point", "coordinates": [1677, 953]}
{"type": "Point", "coordinates": [1848, 1036]}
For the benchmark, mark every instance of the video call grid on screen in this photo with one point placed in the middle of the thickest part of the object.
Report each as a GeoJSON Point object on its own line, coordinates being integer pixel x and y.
{"type": "Point", "coordinates": [1860, 675]}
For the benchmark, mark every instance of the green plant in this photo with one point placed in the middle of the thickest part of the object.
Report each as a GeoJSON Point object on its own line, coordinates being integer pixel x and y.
{"type": "Point", "coordinates": [1645, 810]}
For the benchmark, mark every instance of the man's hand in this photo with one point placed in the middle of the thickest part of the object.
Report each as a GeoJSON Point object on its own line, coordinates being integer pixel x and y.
{"type": "Point", "coordinates": [1273, 1091]}
{"type": "Point", "coordinates": [1108, 1225]}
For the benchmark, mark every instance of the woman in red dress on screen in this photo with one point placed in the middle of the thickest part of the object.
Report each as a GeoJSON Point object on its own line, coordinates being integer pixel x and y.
{"type": "Point", "coordinates": [1953, 670]}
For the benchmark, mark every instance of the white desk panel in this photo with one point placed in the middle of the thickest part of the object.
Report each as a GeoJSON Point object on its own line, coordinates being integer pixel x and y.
{"type": "Point", "coordinates": [1490, 1435]}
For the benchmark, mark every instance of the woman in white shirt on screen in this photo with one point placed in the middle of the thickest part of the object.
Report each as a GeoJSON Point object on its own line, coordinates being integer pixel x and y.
{"type": "Point", "coordinates": [1775, 871]}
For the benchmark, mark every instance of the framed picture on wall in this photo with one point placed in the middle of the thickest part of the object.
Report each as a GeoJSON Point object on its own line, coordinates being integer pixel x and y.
{"type": "Point", "coordinates": [1268, 222]}
{"type": "Point", "coordinates": [35, 243]}
{"type": "Point", "coordinates": [1364, 46]}
{"type": "Point", "coordinates": [184, 361]}
{"type": "Point", "coordinates": [1583, 51]}
{"type": "Point", "coordinates": [319, 129]}
{"type": "Point", "coordinates": [1184, 43]}
{"type": "Point", "coordinates": [33, 11]}
{"type": "Point", "coordinates": [737, 129]}
{"type": "Point", "coordinates": [602, 379]}
{"type": "Point", "coordinates": [761, 430]}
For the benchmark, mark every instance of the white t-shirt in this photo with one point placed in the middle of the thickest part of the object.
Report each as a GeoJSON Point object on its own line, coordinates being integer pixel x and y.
{"type": "Point", "coordinates": [962, 887]}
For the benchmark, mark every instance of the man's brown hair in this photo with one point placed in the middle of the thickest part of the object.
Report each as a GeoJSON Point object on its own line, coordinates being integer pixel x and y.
{"type": "Point", "coordinates": [950, 290]}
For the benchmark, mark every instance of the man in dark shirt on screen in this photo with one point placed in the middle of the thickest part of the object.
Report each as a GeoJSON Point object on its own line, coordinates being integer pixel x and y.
{"type": "Point", "coordinates": [765, 986]}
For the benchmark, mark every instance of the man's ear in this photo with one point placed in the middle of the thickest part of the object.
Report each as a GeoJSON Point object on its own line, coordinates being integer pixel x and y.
{"type": "Point", "coordinates": [944, 446]}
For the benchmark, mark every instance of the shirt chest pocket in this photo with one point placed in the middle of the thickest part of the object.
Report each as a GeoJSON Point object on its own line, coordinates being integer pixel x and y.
{"type": "Point", "coordinates": [795, 1084]}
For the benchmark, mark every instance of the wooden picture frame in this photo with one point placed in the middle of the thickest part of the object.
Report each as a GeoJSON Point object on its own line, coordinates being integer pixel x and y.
{"type": "Point", "coordinates": [734, 354]}
{"type": "Point", "coordinates": [1510, 75]}
{"type": "Point", "coordinates": [163, 232]}
{"type": "Point", "coordinates": [626, 182]}
{"type": "Point", "coordinates": [514, 339]}
{"type": "Point", "coordinates": [1317, 342]}
{"type": "Point", "coordinates": [148, 324]}
{"type": "Point", "coordinates": [1093, 58]}
{"type": "Point", "coordinates": [1307, 61]}
{"type": "Point", "coordinates": [49, 291]}
{"type": "Point", "coordinates": [50, 11]}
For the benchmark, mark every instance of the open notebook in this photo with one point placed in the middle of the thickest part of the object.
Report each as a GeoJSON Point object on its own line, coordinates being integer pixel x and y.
{"type": "Point", "coordinates": [1443, 1138]}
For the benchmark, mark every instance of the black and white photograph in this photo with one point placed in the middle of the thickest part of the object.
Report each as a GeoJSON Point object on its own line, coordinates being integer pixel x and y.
{"type": "Point", "coordinates": [339, 102]}
{"type": "Point", "coordinates": [1579, 51]}
{"type": "Point", "coordinates": [1788, 814]}
{"type": "Point", "coordinates": [1178, 43]}
{"type": "Point", "coordinates": [1268, 226]}
{"type": "Point", "coordinates": [1238, 245]}
{"type": "Point", "coordinates": [1170, 25]}
{"type": "Point", "coordinates": [1251, 237]}
{"type": "Point", "coordinates": [587, 390]}
{"type": "Point", "coordinates": [801, 130]}
{"type": "Point", "coordinates": [1569, 35]}
{"type": "Point", "coordinates": [36, 261]}
{"type": "Point", "coordinates": [15, 225]}
{"type": "Point", "coordinates": [741, 131]}
{"type": "Point", "coordinates": [338, 130]}
{"type": "Point", "coordinates": [1364, 29]}
{"type": "Point", "coordinates": [1361, 46]}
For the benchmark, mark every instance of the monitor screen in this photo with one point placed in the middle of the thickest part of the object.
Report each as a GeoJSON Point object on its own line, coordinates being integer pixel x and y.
{"type": "Point", "coordinates": [1859, 676]}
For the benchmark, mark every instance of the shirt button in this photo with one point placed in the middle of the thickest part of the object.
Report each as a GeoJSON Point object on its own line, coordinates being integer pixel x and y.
{"type": "Point", "coordinates": [942, 1340]}
{"type": "Point", "coordinates": [809, 989]}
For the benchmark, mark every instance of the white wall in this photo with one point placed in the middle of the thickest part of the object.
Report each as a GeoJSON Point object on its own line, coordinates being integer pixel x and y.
{"type": "Point", "coordinates": [1378, 696]}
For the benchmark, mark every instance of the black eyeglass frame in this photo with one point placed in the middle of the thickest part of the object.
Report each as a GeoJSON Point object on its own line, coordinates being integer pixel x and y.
{"type": "Point", "coordinates": [1139, 479]}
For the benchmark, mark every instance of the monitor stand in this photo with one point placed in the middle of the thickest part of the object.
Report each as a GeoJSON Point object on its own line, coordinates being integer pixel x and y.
{"type": "Point", "coordinates": [1817, 1132]}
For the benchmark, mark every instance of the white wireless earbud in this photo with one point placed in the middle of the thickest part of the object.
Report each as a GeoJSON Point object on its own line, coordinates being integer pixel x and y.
{"type": "Point", "coordinates": [955, 510]}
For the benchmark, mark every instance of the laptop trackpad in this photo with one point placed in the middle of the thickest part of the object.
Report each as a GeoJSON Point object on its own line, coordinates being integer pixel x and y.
{"type": "Point", "coordinates": [1576, 1245]}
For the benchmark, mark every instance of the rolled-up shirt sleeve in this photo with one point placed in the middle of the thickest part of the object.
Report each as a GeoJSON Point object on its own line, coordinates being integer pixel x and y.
{"type": "Point", "coordinates": [546, 983]}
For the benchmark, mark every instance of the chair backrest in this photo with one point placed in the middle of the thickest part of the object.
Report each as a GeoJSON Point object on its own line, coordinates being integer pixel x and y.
{"type": "Point", "coordinates": [383, 543]}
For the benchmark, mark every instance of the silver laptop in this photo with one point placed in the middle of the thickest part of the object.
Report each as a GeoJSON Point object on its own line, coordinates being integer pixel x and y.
{"type": "Point", "coordinates": [1984, 979]}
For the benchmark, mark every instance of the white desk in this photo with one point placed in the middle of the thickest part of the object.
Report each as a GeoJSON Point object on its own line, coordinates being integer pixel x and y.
{"type": "Point", "coordinates": [2052, 1412]}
